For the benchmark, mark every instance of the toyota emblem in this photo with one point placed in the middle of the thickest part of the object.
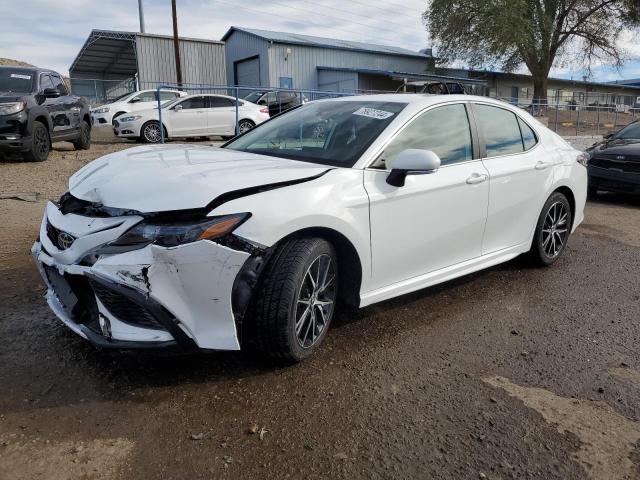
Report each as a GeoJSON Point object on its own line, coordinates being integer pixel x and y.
{"type": "Point", "coordinates": [65, 240]}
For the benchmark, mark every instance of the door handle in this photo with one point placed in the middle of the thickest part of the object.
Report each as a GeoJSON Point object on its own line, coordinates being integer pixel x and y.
{"type": "Point", "coordinates": [542, 165]}
{"type": "Point", "coordinates": [477, 178]}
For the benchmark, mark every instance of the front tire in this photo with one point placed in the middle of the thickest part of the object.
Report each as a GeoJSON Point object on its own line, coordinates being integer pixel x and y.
{"type": "Point", "coordinates": [552, 230]}
{"type": "Point", "coordinates": [150, 132]}
{"type": "Point", "coordinates": [40, 144]}
{"type": "Point", "coordinates": [296, 302]}
{"type": "Point", "coordinates": [83, 142]}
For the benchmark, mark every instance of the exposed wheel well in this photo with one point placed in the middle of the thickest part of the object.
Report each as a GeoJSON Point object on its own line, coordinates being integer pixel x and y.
{"type": "Point", "coordinates": [349, 264]}
{"type": "Point", "coordinates": [566, 191]}
{"type": "Point", "coordinates": [87, 119]}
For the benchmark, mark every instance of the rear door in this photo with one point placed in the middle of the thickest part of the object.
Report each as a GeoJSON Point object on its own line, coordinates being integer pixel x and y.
{"type": "Point", "coordinates": [58, 111]}
{"type": "Point", "coordinates": [191, 119]}
{"type": "Point", "coordinates": [520, 172]}
{"type": "Point", "coordinates": [70, 103]}
{"type": "Point", "coordinates": [221, 116]}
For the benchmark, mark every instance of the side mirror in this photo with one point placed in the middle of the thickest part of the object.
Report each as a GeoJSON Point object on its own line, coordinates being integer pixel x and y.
{"type": "Point", "coordinates": [608, 136]}
{"type": "Point", "coordinates": [51, 93]}
{"type": "Point", "coordinates": [177, 108]}
{"type": "Point", "coordinates": [412, 161]}
{"type": "Point", "coordinates": [134, 100]}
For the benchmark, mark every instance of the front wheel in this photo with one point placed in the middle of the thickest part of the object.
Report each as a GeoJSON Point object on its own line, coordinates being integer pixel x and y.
{"type": "Point", "coordinates": [150, 132]}
{"type": "Point", "coordinates": [296, 302]}
{"type": "Point", "coordinates": [40, 144]}
{"type": "Point", "coordinates": [552, 230]}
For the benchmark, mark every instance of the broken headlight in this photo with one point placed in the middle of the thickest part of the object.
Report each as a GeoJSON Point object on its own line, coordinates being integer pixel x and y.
{"type": "Point", "coordinates": [177, 233]}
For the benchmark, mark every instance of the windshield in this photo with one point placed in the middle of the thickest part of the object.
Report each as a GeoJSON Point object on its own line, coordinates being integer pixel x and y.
{"type": "Point", "coordinates": [331, 133]}
{"type": "Point", "coordinates": [17, 80]}
{"type": "Point", "coordinates": [253, 97]}
{"type": "Point", "coordinates": [631, 131]}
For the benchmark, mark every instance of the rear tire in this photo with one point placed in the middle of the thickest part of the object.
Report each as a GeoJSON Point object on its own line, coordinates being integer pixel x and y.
{"type": "Point", "coordinates": [150, 132]}
{"type": "Point", "coordinates": [40, 144]}
{"type": "Point", "coordinates": [245, 125]}
{"type": "Point", "coordinates": [83, 142]}
{"type": "Point", "coordinates": [552, 230]}
{"type": "Point", "coordinates": [296, 301]}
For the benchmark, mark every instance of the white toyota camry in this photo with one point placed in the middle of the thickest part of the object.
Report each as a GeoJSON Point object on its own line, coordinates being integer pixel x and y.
{"type": "Point", "coordinates": [356, 199]}
{"type": "Point", "coordinates": [191, 116]}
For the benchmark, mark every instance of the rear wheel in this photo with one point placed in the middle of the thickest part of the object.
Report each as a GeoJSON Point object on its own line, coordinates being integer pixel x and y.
{"type": "Point", "coordinates": [83, 142]}
{"type": "Point", "coordinates": [245, 125]}
{"type": "Point", "coordinates": [40, 144]}
{"type": "Point", "coordinates": [150, 132]}
{"type": "Point", "coordinates": [552, 230]}
{"type": "Point", "coordinates": [296, 302]}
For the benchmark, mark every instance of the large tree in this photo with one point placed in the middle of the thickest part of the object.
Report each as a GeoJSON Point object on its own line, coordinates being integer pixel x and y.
{"type": "Point", "coordinates": [537, 33]}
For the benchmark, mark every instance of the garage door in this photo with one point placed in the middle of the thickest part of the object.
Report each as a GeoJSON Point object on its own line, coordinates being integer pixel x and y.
{"type": "Point", "coordinates": [248, 72]}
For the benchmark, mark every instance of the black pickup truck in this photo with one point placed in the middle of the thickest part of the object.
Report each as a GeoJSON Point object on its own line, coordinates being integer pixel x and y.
{"type": "Point", "coordinates": [36, 109]}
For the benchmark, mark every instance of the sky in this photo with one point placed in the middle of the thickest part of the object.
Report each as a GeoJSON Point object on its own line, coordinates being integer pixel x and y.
{"type": "Point", "coordinates": [50, 33]}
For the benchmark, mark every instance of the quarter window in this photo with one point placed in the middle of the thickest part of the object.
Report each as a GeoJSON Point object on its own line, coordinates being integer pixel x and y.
{"type": "Point", "coordinates": [443, 130]}
{"type": "Point", "coordinates": [501, 132]}
{"type": "Point", "coordinates": [528, 137]}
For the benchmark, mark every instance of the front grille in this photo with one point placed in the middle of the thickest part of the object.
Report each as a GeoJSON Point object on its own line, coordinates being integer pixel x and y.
{"type": "Point", "coordinates": [125, 309]}
{"type": "Point", "coordinates": [631, 164]}
{"type": "Point", "coordinates": [62, 240]}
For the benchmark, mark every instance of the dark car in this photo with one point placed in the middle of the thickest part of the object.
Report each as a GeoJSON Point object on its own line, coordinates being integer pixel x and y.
{"type": "Point", "coordinates": [36, 109]}
{"type": "Point", "coordinates": [614, 164]}
{"type": "Point", "coordinates": [276, 101]}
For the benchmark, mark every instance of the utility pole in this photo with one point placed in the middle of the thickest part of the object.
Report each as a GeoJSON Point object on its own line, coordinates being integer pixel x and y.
{"type": "Point", "coordinates": [176, 44]}
{"type": "Point", "coordinates": [141, 15]}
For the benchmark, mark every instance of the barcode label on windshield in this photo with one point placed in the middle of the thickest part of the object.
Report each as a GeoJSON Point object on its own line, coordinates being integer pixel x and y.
{"type": "Point", "coordinates": [23, 77]}
{"type": "Point", "coordinates": [373, 113]}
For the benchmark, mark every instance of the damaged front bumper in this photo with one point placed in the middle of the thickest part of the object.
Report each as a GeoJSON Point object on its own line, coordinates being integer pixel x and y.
{"type": "Point", "coordinates": [150, 297]}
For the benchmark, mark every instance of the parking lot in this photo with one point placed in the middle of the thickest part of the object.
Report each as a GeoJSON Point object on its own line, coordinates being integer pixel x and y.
{"type": "Point", "coordinates": [513, 372]}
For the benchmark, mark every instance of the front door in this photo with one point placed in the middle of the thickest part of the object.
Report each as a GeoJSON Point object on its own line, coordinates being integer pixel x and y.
{"type": "Point", "coordinates": [58, 109]}
{"type": "Point", "coordinates": [191, 119]}
{"type": "Point", "coordinates": [435, 220]}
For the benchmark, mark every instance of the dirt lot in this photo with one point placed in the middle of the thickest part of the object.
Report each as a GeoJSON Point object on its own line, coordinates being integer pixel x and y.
{"type": "Point", "coordinates": [514, 372]}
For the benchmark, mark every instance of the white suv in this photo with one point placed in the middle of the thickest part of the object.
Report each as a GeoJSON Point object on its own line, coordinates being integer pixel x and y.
{"type": "Point", "coordinates": [131, 102]}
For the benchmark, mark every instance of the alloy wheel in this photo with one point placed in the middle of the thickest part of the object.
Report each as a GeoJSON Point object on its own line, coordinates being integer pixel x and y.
{"type": "Point", "coordinates": [41, 142]}
{"type": "Point", "coordinates": [315, 301]}
{"type": "Point", "coordinates": [245, 126]}
{"type": "Point", "coordinates": [555, 229]}
{"type": "Point", "coordinates": [152, 133]}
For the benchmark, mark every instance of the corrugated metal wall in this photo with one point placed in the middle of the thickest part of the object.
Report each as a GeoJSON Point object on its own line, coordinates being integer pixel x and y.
{"type": "Point", "coordinates": [301, 64]}
{"type": "Point", "coordinates": [240, 46]}
{"type": "Point", "coordinates": [202, 62]}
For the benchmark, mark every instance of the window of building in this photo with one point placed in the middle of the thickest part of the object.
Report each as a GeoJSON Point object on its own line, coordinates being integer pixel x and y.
{"type": "Point", "coordinates": [286, 82]}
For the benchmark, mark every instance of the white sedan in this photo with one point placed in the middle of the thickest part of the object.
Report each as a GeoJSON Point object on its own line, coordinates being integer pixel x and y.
{"type": "Point", "coordinates": [131, 102]}
{"type": "Point", "coordinates": [355, 199]}
{"type": "Point", "coordinates": [192, 116]}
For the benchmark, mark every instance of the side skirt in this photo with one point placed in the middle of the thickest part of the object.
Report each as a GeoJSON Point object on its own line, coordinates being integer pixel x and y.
{"type": "Point", "coordinates": [442, 275]}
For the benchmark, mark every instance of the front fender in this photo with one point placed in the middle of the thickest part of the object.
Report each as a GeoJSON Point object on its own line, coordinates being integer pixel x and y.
{"type": "Point", "coordinates": [336, 201]}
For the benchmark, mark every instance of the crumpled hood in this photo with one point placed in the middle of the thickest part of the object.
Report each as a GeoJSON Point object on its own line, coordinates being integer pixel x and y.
{"type": "Point", "coordinates": [176, 177]}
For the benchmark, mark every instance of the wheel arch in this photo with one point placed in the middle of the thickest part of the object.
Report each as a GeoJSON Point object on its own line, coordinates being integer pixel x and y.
{"type": "Point", "coordinates": [349, 262]}
{"type": "Point", "coordinates": [567, 192]}
{"type": "Point", "coordinates": [43, 119]}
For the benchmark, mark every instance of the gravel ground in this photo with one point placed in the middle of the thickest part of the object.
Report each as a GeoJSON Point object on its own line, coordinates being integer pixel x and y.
{"type": "Point", "coordinates": [514, 372]}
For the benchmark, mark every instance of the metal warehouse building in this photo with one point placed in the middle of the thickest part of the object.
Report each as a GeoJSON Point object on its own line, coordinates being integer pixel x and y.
{"type": "Point", "coordinates": [113, 63]}
{"type": "Point", "coordinates": [289, 60]}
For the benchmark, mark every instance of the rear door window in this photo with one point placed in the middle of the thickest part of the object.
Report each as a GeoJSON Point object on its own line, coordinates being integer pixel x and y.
{"type": "Point", "coordinates": [500, 130]}
{"type": "Point", "coordinates": [168, 96]}
{"type": "Point", "coordinates": [194, 103]}
{"type": "Point", "coordinates": [217, 102]}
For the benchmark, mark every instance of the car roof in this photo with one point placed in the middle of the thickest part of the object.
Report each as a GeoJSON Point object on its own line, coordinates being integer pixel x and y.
{"type": "Point", "coordinates": [28, 69]}
{"type": "Point", "coordinates": [418, 99]}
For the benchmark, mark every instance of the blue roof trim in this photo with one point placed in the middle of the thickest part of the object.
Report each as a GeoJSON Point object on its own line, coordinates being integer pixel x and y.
{"type": "Point", "coordinates": [322, 42]}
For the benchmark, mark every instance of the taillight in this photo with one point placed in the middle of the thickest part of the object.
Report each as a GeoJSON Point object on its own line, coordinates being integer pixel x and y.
{"type": "Point", "coordinates": [583, 158]}
{"type": "Point", "coordinates": [264, 110]}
